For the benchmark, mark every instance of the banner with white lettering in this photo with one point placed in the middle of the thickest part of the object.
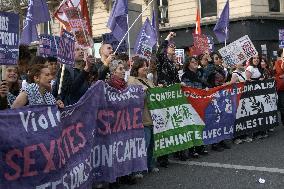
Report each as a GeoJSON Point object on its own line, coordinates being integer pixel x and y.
{"type": "Point", "coordinates": [98, 139]}
{"type": "Point", "coordinates": [257, 110]}
{"type": "Point", "coordinates": [281, 38]}
{"type": "Point", "coordinates": [188, 117]}
{"type": "Point", "coordinates": [9, 38]}
{"type": "Point", "coordinates": [177, 126]}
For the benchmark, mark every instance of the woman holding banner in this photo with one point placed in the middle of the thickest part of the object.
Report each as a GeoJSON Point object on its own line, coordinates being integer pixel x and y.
{"type": "Point", "coordinates": [192, 77]}
{"type": "Point", "coordinates": [9, 87]}
{"type": "Point", "coordinates": [138, 76]}
{"type": "Point", "coordinates": [167, 74]}
{"type": "Point", "coordinates": [37, 91]}
{"type": "Point", "coordinates": [253, 72]}
{"type": "Point", "coordinates": [238, 75]}
{"type": "Point", "coordinates": [117, 80]}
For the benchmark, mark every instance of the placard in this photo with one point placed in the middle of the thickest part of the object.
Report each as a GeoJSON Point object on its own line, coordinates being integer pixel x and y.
{"type": "Point", "coordinates": [66, 48]}
{"type": "Point", "coordinates": [238, 51]}
{"type": "Point", "coordinates": [9, 38]}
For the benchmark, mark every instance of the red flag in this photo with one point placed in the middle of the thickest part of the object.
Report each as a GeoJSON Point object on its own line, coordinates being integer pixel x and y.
{"type": "Point", "coordinates": [197, 24]}
{"type": "Point", "coordinates": [85, 14]}
{"type": "Point", "coordinates": [60, 15]}
{"type": "Point", "coordinates": [81, 5]}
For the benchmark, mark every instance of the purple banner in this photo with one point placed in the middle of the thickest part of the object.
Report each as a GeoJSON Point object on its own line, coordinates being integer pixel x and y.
{"type": "Point", "coordinates": [110, 39]}
{"type": "Point", "coordinates": [98, 139]}
{"type": "Point", "coordinates": [9, 38]}
{"type": "Point", "coordinates": [66, 48]}
{"type": "Point", "coordinates": [47, 46]}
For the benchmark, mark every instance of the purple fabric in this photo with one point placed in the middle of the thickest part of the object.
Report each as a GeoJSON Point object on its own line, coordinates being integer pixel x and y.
{"type": "Point", "coordinates": [117, 21]}
{"type": "Point", "coordinates": [47, 46]}
{"type": "Point", "coordinates": [37, 13]}
{"type": "Point", "coordinates": [223, 24]}
{"type": "Point", "coordinates": [108, 38]}
{"type": "Point", "coordinates": [146, 37]}
{"type": "Point", "coordinates": [38, 150]}
{"type": "Point", "coordinates": [66, 48]}
{"type": "Point", "coordinates": [9, 40]}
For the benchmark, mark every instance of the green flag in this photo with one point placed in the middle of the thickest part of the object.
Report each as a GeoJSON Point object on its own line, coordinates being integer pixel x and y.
{"type": "Point", "coordinates": [177, 126]}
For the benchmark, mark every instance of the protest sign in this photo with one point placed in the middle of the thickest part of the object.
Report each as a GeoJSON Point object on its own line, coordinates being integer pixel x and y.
{"type": "Point", "coordinates": [238, 51]}
{"type": "Point", "coordinates": [257, 110]}
{"type": "Point", "coordinates": [66, 48]}
{"type": "Point", "coordinates": [210, 116]}
{"type": "Point", "coordinates": [110, 39]}
{"type": "Point", "coordinates": [210, 43]}
{"type": "Point", "coordinates": [9, 38]}
{"type": "Point", "coordinates": [180, 55]}
{"type": "Point", "coordinates": [177, 126]}
{"type": "Point", "coordinates": [264, 50]}
{"type": "Point", "coordinates": [281, 38]}
{"type": "Point", "coordinates": [97, 139]}
{"type": "Point", "coordinates": [200, 43]}
{"type": "Point", "coordinates": [48, 45]}
{"type": "Point", "coordinates": [145, 51]}
{"type": "Point", "coordinates": [78, 26]}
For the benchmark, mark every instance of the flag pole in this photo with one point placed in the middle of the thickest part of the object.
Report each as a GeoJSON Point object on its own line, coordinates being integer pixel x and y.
{"type": "Point", "coordinates": [132, 25]}
{"type": "Point", "coordinates": [128, 37]}
{"type": "Point", "coordinates": [226, 31]}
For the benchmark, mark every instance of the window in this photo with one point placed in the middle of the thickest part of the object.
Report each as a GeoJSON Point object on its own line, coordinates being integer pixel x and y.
{"type": "Point", "coordinates": [208, 8]}
{"type": "Point", "coordinates": [274, 5]}
{"type": "Point", "coordinates": [163, 11]}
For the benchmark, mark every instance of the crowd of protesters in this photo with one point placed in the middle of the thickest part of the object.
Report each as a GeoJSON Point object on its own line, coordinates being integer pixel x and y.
{"type": "Point", "coordinates": [36, 81]}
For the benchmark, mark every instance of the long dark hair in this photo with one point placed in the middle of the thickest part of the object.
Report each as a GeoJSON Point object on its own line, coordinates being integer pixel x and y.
{"type": "Point", "coordinates": [35, 70]}
{"type": "Point", "coordinates": [15, 88]}
{"type": "Point", "coordinates": [251, 62]}
{"type": "Point", "coordinates": [138, 63]}
{"type": "Point", "coordinates": [187, 62]}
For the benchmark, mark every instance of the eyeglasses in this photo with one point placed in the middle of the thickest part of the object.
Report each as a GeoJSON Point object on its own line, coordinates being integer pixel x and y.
{"type": "Point", "coordinates": [172, 46]}
{"type": "Point", "coordinates": [121, 69]}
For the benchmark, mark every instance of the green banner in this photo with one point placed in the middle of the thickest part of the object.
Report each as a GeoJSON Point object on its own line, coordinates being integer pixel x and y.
{"type": "Point", "coordinates": [177, 126]}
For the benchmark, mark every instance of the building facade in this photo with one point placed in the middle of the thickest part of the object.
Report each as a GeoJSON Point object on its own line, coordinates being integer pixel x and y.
{"type": "Point", "coordinates": [260, 19]}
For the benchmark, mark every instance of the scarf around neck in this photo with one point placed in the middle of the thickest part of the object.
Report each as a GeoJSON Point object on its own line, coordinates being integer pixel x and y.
{"type": "Point", "coordinates": [117, 82]}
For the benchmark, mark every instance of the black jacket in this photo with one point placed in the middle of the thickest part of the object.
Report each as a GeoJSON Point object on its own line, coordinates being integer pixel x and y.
{"type": "Point", "coordinates": [166, 70]}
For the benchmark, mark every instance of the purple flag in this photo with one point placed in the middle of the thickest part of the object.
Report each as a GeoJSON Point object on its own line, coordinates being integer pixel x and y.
{"type": "Point", "coordinates": [117, 21]}
{"type": "Point", "coordinates": [37, 13]}
{"type": "Point", "coordinates": [221, 27]}
{"type": "Point", "coordinates": [146, 39]}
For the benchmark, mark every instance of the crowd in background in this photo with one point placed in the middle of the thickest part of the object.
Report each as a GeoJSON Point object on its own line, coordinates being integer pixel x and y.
{"type": "Point", "coordinates": [36, 80]}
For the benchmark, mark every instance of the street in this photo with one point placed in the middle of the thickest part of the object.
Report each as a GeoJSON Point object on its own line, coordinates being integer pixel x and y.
{"type": "Point", "coordinates": [238, 168]}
